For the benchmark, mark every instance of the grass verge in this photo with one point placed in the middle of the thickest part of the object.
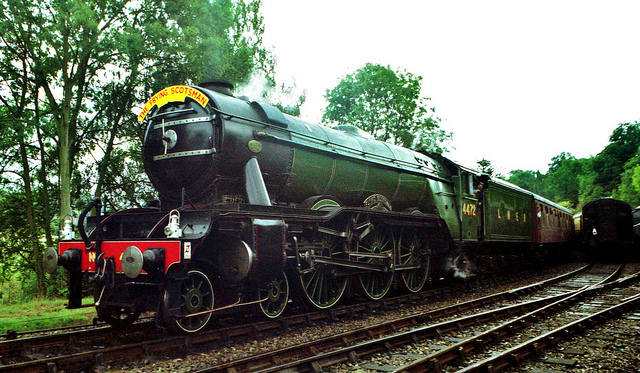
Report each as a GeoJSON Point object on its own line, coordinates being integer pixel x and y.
{"type": "Point", "coordinates": [40, 314]}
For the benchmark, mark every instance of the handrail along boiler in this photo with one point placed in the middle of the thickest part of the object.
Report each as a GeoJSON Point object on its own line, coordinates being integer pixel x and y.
{"type": "Point", "coordinates": [256, 206]}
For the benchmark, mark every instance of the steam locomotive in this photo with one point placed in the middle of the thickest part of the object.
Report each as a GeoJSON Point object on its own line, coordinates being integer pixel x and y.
{"type": "Point", "coordinates": [257, 207]}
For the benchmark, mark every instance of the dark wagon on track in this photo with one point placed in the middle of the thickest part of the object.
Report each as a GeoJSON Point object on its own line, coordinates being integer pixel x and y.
{"type": "Point", "coordinates": [606, 226]}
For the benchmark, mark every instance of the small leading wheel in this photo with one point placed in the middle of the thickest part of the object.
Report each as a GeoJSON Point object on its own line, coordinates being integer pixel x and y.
{"type": "Point", "coordinates": [413, 252]}
{"type": "Point", "coordinates": [321, 285]}
{"type": "Point", "coordinates": [117, 317]}
{"type": "Point", "coordinates": [375, 244]}
{"type": "Point", "coordinates": [276, 295]}
{"type": "Point", "coordinates": [194, 297]}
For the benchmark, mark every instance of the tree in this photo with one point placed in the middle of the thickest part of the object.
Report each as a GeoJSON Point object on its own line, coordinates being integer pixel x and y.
{"type": "Point", "coordinates": [629, 188]}
{"type": "Point", "coordinates": [388, 105]}
{"type": "Point", "coordinates": [614, 172]}
{"type": "Point", "coordinates": [563, 178]}
{"type": "Point", "coordinates": [589, 190]}
{"type": "Point", "coordinates": [25, 160]}
{"type": "Point", "coordinates": [608, 165]}
{"type": "Point", "coordinates": [73, 50]}
{"type": "Point", "coordinates": [71, 73]}
{"type": "Point", "coordinates": [485, 166]}
{"type": "Point", "coordinates": [533, 181]}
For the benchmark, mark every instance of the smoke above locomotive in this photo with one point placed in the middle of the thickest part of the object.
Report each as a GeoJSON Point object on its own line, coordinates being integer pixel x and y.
{"type": "Point", "coordinates": [199, 139]}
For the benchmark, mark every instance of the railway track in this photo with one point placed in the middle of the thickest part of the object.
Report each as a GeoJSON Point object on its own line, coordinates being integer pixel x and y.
{"type": "Point", "coordinates": [611, 346]}
{"type": "Point", "coordinates": [528, 335]}
{"type": "Point", "coordinates": [76, 350]}
{"type": "Point", "coordinates": [452, 332]}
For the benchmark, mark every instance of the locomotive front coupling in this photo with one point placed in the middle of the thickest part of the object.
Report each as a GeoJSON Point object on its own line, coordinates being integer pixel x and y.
{"type": "Point", "coordinates": [71, 260]}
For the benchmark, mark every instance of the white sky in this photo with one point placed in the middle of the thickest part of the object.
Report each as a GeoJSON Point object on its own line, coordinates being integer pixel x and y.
{"type": "Point", "coordinates": [517, 82]}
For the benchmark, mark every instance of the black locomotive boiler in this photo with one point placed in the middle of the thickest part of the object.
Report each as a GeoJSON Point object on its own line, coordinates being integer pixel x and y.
{"type": "Point", "coordinates": [258, 207]}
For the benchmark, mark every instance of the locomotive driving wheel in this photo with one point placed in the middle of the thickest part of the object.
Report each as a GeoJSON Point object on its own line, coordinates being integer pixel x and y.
{"type": "Point", "coordinates": [276, 295]}
{"type": "Point", "coordinates": [321, 283]}
{"type": "Point", "coordinates": [413, 252]}
{"type": "Point", "coordinates": [192, 297]}
{"type": "Point", "coordinates": [374, 245]}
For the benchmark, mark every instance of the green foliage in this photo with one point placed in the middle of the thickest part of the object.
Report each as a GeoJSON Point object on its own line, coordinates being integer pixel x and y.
{"type": "Point", "coordinates": [629, 188]}
{"type": "Point", "coordinates": [199, 40]}
{"type": "Point", "coordinates": [16, 251]}
{"type": "Point", "coordinates": [77, 52]}
{"type": "Point", "coordinates": [614, 172]}
{"type": "Point", "coordinates": [589, 190]}
{"type": "Point", "coordinates": [388, 105]}
{"type": "Point", "coordinates": [533, 181]}
{"type": "Point", "coordinates": [71, 76]}
{"type": "Point", "coordinates": [562, 178]}
{"type": "Point", "coordinates": [608, 165]}
{"type": "Point", "coordinates": [485, 167]}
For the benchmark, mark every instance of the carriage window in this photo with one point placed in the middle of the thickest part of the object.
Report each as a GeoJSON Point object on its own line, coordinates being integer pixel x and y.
{"type": "Point", "coordinates": [546, 216]}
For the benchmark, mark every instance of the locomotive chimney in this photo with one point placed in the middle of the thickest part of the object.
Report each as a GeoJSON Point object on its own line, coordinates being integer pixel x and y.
{"type": "Point", "coordinates": [218, 85]}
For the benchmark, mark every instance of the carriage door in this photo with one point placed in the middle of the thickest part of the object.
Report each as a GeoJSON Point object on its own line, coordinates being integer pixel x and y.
{"type": "Point", "coordinates": [470, 210]}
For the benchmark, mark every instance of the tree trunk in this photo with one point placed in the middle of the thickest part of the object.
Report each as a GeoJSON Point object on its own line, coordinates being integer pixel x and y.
{"type": "Point", "coordinates": [65, 169]}
{"type": "Point", "coordinates": [44, 195]}
{"type": "Point", "coordinates": [36, 250]}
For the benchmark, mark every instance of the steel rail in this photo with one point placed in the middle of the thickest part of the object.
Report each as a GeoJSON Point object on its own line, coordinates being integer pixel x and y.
{"type": "Point", "coordinates": [307, 356]}
{"type": "Point", "coordinates": [102, 354]}
{"type": "Point", "coordinates": [460, 350]}
{"type": "Point", "coordinates": [533, 347]}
